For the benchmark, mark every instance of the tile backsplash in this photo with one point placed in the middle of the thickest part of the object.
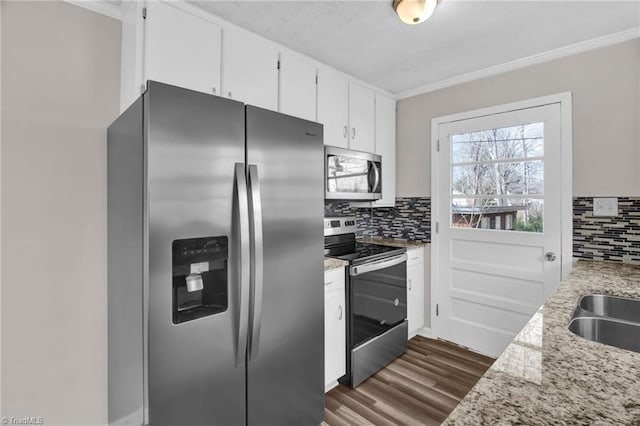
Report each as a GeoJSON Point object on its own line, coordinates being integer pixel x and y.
{"type": "Point", "coordinates": [410, 219]}
{"type": "Point", "coordinates": [615, 238]}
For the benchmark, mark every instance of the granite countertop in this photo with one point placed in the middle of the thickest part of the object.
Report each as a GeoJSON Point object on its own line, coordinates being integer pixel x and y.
{"type": "Point", "coordinates": [394, 242]}
{"type": "Point", "coordinates": [548, 375]}
{"type": "Point", "coordinates": [333, 263]}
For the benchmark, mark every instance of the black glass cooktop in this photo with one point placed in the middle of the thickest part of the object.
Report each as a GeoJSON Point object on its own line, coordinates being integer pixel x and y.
{"type": "Point", "coordinates": [359, 253]}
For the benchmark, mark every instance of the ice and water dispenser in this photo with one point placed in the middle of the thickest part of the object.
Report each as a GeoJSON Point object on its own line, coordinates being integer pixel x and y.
{"type": "Point", "coordinates": [200, 285]}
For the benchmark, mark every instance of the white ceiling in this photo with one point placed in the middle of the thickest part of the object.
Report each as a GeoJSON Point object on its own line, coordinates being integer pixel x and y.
{"type": "Point", "coordinates": [367, 40]}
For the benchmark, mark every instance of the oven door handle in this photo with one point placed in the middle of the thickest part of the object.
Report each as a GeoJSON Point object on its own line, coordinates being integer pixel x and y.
{"type": "Point", "coordinates": [354, 271]}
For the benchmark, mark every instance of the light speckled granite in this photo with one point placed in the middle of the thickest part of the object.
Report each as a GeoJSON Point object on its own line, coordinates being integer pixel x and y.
{"type": "Point", "coordinates": [331, 263]}
{"type": "Point", "coordinates": [393, 242]}
{"type": "Point", "coordinates": [548, 375]}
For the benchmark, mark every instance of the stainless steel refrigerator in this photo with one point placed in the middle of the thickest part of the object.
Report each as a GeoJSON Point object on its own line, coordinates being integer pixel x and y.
{"type": "Point", "coordinates": [215, 268]}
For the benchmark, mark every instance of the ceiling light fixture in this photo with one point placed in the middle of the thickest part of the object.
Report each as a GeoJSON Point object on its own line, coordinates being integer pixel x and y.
{"type": "Point", "coordinates": [414, 11]}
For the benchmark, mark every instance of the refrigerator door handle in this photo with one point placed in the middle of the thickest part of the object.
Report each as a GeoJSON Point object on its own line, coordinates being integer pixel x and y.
{"type": "Point", "coordinates": [245, 267]}
{"type": "Point", "coordinates": [257, 260]}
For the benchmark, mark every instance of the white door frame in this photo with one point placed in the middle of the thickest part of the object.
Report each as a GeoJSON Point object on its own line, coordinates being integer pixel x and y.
{"type": "Point", "coordinates": [566, 161]}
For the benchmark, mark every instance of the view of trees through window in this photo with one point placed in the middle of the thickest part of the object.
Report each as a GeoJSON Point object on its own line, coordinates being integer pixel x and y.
{"type": "Point", "coordinates": [497, 178]}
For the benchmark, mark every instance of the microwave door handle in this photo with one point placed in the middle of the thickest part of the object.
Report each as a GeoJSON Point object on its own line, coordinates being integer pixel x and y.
{"type": "Point", "coordinates": [257, 261]}
{"type": "Point", "coordinates": [354, 271]}
{"type": "Point", "coordinates": [244, 264]}
{"type": "Point", "coordinates": [376, 172]}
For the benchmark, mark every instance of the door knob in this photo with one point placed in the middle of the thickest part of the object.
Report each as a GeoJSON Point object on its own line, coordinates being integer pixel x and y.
{"type": "Point", "coordinates": [550, 256]}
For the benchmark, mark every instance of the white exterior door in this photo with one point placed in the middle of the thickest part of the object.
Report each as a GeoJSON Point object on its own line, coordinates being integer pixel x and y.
{"type": "Point", "coordinates": [499, 217]}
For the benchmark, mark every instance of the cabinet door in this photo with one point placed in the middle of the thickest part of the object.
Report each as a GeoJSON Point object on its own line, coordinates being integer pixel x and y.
{"type": "Point", "coordinates": [415, 290]}
{"type": "Point", "coordinates": [335, 344]}
{"type": "Point", "coordinates": [131, 55]}
{"type": "Point", "coordinates": [297, 87]}
{"type": "Point", "coordinates": [361, 118]}
{"type": "Point", "coordinates": [333, 107]}
{"type": "Point", "coordinates": [250, 69]}
{"type": "Point", "coordinates": [334, 337]}
{"type": "Point", "coordinates": [181, 49]}
{"type": "Point", "coordinates": [385, 125]}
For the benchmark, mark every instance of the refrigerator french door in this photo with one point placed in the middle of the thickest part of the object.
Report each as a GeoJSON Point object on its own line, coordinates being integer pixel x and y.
{"type": "Point", "coordinates": [215, 263]}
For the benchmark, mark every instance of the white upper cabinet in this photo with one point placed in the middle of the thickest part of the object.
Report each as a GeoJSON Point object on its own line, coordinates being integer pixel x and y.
{"type": "Point", "coordinates": [385, 125]}
{"type": "Point", "coordinates": [249, 69]}
{"type": "Point", "coordinates": [181, 49]}
{"type": "Point", "coordinates": [297, 87]}
{"type": "Point", "coordinates": [333, 107]}
{"type": "Point", "coordinates": [385, 146]}
{"type": "Point", "coordinates": [361, 118]}
{"type": "Point", "coordinates": [132, 46]}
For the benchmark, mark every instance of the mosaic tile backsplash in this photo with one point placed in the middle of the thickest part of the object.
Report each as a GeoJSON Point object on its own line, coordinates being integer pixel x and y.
{"type": "Point", "coordinates": [604, 238]}
{"type": "Point", "coordinates": [410, 219]}
{"type": "Point", "coordinates": [615, 238]}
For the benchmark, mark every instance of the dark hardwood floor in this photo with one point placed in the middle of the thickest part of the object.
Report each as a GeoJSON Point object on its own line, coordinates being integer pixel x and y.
{"type": "Point", "coordinates": [419, 388]}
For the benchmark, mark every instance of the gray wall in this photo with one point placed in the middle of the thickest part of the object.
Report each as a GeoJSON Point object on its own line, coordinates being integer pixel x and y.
{"type": "Point", "coordinates": [60, 90]}
{"type": "Point", "coordinates": [606, 94]}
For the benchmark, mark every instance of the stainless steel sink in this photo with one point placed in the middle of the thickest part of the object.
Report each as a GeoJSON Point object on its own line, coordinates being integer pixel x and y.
{"type": "Point", "coordinates": [621, 308]}
{"type": "Point", "coordinates": [621, 334]}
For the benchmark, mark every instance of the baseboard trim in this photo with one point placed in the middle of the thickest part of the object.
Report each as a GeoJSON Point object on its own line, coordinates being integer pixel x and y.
{"type": "Point", "coordinates": [422, 331]}
{"type": "Point", "coordinates": [425, 332]}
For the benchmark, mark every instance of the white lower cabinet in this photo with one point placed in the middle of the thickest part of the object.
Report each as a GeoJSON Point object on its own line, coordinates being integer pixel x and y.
{"type": "Point", "coordinates": [415, 290]}
{"type": "Point", "coordinates": [334, 327]}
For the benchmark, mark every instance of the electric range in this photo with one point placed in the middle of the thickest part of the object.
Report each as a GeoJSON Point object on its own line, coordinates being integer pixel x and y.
{"type": "Point", "coordinates": [376, 299]}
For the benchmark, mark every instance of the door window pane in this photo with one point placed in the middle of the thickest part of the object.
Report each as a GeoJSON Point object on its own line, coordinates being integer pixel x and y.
{"type": "Point", "coordinates": [522, 141]}
{"type": "Point", "coordinates": [509, 214]}
{"type": "Point", "coordinates": [497, 178]}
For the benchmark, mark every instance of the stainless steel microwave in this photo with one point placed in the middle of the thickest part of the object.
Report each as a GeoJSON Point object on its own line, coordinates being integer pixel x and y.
{"type": "Point", "coordinates": [352, 175]}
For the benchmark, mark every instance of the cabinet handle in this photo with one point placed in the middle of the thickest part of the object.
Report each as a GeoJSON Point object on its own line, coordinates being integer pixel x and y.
{"type": "Point", "coordinates": [214, 90]}
{"type": "Point", "coordinates": [410, 284]}
{"type": "Point", "coordinates": [345, 131]}
{"type": "Point", "coordinates": [230, 95]}
{"type": "Point", "coordinates": [340, 312]}
{"type": "Point", "coordinates": [329, 283]}
{"type": "Point", "coordinates": [353, 133]}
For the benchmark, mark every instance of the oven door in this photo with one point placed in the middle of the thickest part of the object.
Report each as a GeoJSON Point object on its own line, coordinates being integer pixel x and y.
{"type": "Point", "coordinates": [352, 175]}
{"type": "Point", "coordinates": [378, 298]}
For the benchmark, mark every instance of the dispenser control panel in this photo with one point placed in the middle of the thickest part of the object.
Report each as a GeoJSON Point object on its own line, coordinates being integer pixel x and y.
{"type": "Point", "coordinates": [200, 277]}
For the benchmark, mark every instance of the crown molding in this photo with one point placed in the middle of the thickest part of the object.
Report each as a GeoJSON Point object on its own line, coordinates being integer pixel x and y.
{"type": "Point", "coordinates": [99, 6]}
{"type": "Point", "coordinates": [562, 52]}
